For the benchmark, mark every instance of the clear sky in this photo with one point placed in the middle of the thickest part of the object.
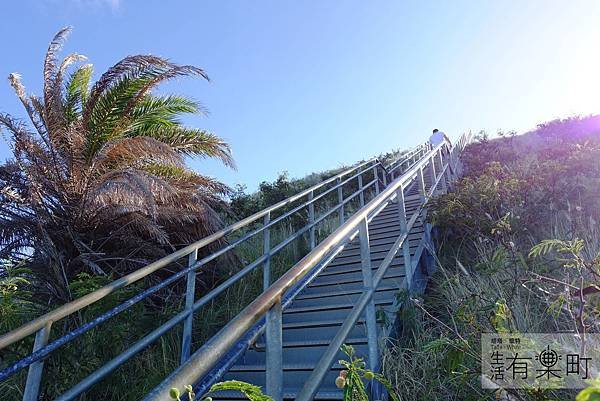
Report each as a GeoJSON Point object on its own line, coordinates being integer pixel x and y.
{"type": "Point", "coordinates": [304, 86]}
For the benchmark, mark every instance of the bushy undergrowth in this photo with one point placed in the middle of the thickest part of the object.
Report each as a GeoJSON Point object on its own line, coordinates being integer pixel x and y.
{"type": "Point", "coordinates": [518, 240]}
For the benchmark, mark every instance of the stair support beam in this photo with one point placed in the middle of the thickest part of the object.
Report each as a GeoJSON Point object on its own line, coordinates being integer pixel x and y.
{"type": "Point", "coordinates": [274, 348]}
{"type": "Point", "coordinates": [190, 292]}
{"type": "Point", "coordinates": [370, 318]}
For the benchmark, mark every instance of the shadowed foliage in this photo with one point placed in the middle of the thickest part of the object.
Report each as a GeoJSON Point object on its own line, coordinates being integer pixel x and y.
{"type": "Point", "coordinates": [98, 182]}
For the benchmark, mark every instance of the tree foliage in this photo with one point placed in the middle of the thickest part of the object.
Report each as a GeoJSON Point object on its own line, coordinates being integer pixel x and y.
{"type": "Point", "coordinates": [98, 182]}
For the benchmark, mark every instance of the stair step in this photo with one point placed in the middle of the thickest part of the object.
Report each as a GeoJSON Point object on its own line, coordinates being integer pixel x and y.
{"type": "Point", "coordinates": [330, 311]}
{"type": "Point", "coordinates": [354, 263]}
{"type": "Point", "coordinates": [301, 351]}
{"type": "Point", "coordinates": [354, 275]}
{"type": "Point", "coordinates": [375, 256]}
{"type": "Point", "coordinates": [343, 297]}
{"type": "Point", "coordinates": [318, 330]}
{"type": "Point", "coordinates": [316, 343]}
{"type": "Point", "coordinates": [355, 251]}
{"type": "Point", "coordinates": [294, 377]}
{"type": "Point", "coordinates": [334, 293]}
{"type": "Point", "coordinates": [389, 239]}
{"type": "Point", "coordinates": [396, 280]}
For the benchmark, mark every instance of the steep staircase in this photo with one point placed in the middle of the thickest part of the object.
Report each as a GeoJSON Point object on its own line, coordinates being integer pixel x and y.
{"type": "Point", "coordinates": [316, 314]}
{"type": "Point", "coordinates": [287, 340]}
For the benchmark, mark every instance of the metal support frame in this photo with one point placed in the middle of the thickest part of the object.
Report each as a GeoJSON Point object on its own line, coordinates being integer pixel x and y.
{"type": "Point", "coordinates": [267, 252]}
{"type": "Point", "coordinates": [190, 292]}
{"type": "Point", "coordinates": [274, 363]}
{"type": "Point", "coordinates": [433, 169]}
{"type": "Point", "coordinates": [41, 325]}
{"type": "Point", "coordinates": [408, 271]}
{"type": "Point", "coordinates": [367, 273]}
{"type": "Point", "coordinates": [361, 196]}
{"type": "Point", "coordinates": [445, 172]}
{"type": "Point", "coordinates": [421, 183]}
{"type": "Point", "coordinates": [340, 192]}
{"type": "Point", "coordinates": [34, 375]}
{"type": "Point", "coordinates": [209, 356]}
{"type": "Point", "coordinates": [311, 220]}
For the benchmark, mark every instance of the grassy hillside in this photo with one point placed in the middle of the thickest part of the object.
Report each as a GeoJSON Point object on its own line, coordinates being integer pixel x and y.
{"type": "Point", "coordinates": [517, 192]}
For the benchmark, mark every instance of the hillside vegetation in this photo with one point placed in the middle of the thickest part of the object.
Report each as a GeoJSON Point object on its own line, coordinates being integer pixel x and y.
{"type": "Point", "coordinates": [518, 243]}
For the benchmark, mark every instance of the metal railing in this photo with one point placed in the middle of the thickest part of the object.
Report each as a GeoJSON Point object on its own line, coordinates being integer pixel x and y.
{"type": "Point", "coordinates": [372, 169]}
{"type": "Point", "coordinates": [206, 365]}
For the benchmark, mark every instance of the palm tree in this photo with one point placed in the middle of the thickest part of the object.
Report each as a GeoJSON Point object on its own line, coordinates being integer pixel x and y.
{"type": "Point", "coordinates": [99, 182]}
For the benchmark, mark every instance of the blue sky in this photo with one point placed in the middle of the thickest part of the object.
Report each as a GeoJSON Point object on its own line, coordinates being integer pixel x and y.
{"type": "Point", "coordinates": [304, 86]}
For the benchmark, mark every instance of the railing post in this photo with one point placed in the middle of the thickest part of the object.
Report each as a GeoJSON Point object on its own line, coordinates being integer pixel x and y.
{"type": "Point", "coordinates": [433, 171]}
{"type": "Point", "coordinates": [408, 271]}
{"type": "Point", "coordinates": [340, 200]}
{"type": "Point", "coordinates": [376, 177]}
{"type": "Point", "coordinates": [384, 177]}
{"type": "Point", "coordinates": [443, 181]}
{"type": "Point", "coordinates": [311, 220]}
{"type": "Point", "coordinates": [361, 195]}
{"type": "Point", "coordinates": [34, 375]}
{"type": "Point", "coordinates": [190, 292]}
{"type": "Point", "coordinates": [421, 184]}
{"type": "Point", "coordinates": [267, 251]}
{"type": "Point", "coordinates": [274, 348]}
{"type": "Point", "coordinates": [371, 322]}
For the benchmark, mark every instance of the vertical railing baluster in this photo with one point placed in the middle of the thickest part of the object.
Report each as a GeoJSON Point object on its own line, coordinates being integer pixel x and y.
{"type": "Point", "coordinates": [361, 195]}
{"type": "Point", "coordinates": [274, 348]}
{"type": "Point", "coordinates": [340, 192]}
{"type": "Point", "coordinates": [190, 291]}
{"type": "Point", "coordinates": [34, 375]}
{"type": "Point", "coordinates": [421, 184]}
{"type": "Point", "coordinates": [311, 220]}
{"type": "Point", "coordinates": [376, 177]}
{"type": "Point", "coordinates": [442, 158]}
{"type": "Point", "coordinates": [371, 322]}
{"type": "Point", "coordinates": [444, 172]}
{"type": "Point", "coordinates": [433, 172]}
{"type": "Point", "coordinates": [266, 252]}
{"type": "Point", "coordinates": [384, 177]}
{"type": "Point", "coordinates": [408, 270]}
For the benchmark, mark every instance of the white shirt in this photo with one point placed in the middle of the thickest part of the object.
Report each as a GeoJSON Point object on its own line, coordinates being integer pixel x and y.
{"type": "Point", "coordinates": [436, 138]}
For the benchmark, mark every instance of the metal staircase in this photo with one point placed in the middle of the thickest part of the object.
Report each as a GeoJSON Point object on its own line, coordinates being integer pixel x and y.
{"type": "Point", "coordinates": [316, 314]}
{"type": "Point", "coordinates": [287, 339]}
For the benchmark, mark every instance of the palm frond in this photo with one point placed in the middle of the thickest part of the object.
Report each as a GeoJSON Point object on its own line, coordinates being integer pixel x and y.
{"type": "Point", "coordinates": [195, 142]}
{"type": "Point", "coordinates": [34, 114]}
{"type": "Point", "coordinates": [76, 92]}
{"type": "Point", "coordinates": [119, 90]}
{"type": "Point", "coordinates": [52, 107]}
{"type": "Point", "coordinates": [131, 187]}
{"type": "Point", "coordinates": [187, 180]}
{"type": "Point", "coordinates": [135, 152]}
{"type": "Point", "coordinates": [160, 112]}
